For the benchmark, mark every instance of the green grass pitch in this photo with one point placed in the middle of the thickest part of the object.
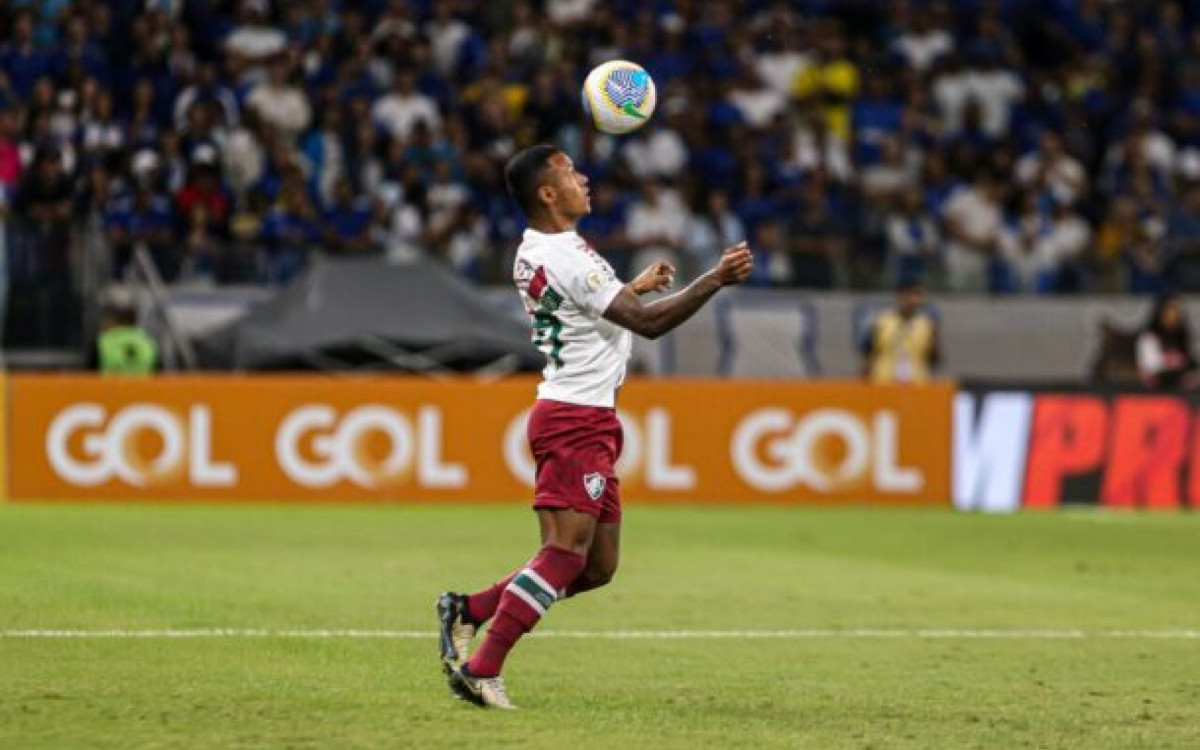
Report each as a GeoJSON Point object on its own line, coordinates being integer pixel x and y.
{"type": "Point", "coordinates": [861, 587]}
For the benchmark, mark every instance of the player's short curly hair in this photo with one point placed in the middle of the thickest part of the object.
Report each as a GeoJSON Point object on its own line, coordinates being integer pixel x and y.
{"type": "Point", "coordinates": [523, 174]}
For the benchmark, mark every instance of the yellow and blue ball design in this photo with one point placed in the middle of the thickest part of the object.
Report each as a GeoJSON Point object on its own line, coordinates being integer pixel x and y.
{"type": "Point", "coordinates": [619, 97]}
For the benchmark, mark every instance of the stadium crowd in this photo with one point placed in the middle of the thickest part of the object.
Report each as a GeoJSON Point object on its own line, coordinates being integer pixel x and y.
{"type": "Point", "coordinates": [1009, 146]}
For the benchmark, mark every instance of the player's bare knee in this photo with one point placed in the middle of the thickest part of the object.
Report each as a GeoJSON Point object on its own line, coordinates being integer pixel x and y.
{"type": "Point", "coordinates": [578, 543]}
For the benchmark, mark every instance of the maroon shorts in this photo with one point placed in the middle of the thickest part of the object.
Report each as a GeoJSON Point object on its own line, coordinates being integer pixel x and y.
{"type": "Point", "coordinates": [576, 450]}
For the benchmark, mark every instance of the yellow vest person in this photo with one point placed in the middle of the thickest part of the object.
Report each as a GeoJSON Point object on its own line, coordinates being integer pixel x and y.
{"type": "Point", "coordinates": [123, 347]}
{"type": "Point", "coordinates": [903, 345]}
{"type": "Point", "coordinates": [127, 350]}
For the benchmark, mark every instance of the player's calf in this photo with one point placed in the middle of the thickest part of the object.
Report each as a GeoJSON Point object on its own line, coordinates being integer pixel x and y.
{"type": "Point", "coordinates": [589, 581]}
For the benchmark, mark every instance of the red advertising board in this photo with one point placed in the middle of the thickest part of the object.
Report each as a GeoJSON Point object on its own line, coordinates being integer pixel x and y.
{"type": "Point", "coordinates": [1043, 449]}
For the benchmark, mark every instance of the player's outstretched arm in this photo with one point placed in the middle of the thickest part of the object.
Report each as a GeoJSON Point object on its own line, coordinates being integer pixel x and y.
{"type": "Point", "coordinates": [664, 315]}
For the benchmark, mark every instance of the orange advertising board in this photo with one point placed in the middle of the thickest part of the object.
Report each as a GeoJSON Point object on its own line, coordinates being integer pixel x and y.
{"type": "Point", "coordinates": [381, 439]}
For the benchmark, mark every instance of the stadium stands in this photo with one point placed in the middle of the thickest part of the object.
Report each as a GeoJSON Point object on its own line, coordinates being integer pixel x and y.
{"type": "Point", "coordinates": [1002, 146]}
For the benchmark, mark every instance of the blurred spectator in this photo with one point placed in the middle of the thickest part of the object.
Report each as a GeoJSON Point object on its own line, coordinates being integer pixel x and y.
{"type": "Point", "coordinates": [1052, 170]}
{"type": "Point", "coordinates": [10, 153]}
{"type": "Point", "coordinates": [782, 59]}
{"type": "Point", "coordinates": [902, 345]}
{"type": "Point", "coordinates": [244, 157]}
{"type": "Point", "coordinates": [877, 116]}
{"type": "Point", "coordinates": [919, 42]}
{"type": "Point", "coordinates": [831, 82]}
{"type": "Point", "coordinates": [465, 243]}
{"type": "Point", "coordinates": [996, 90]}
{"type": "Point", "coordinates": [1116, 233]}
{"type": "Point", "coordinates": [204, 187]}
{"type": "Point", "coordinates": [757, 103]}
{"type": "Point", "coordinates": [1183, 223]}
{"type": "Point", "coordinates": [364, 165]}
{"type": "Point", "coordinates": [774, 250]}
{"type": "Point", "coordinates": [280, 102]}
{"type": "Point", "coordinates": [656, 224]}
{"type": "Point", "coordinates": [604, 227]}
{"type": "Point", "coordinates": [348, 222]}
{"type": "Point", "coordinates": [404, 228]}
{"type": "Point", "coordinates": [201, 247]}
{"type": "Point", "coordinates": [1143, 154]}
{"type": "Point", "coordinates": [1147, 264]}
{"type": "Point", "coordinates": [44, 200]}
{"type": "Point", "coordinates": [757, 205]}
{"type": "Point", "coordinates": [143, 218]}
{"type": "Point", "coordinates": [951, 90]}
{"type": "Point", "coordinates": [446, 194]}
{"type": "Point", "coordinates": [815, 146]}
{"type": "Point", "coordinates": [564, 13]}
{"type": "Point", "coordinates": [656, 153]}
{"type": "Point", "coordinates": [1068, 241]}
{"type": "Point", "coordinates": [206, 88]}
{"type": "Point", "coordinates": [322, 147]}
{"type": "Point", "coordinates": [20, 58]}
{"type": "Point", "coordinates": [254, 38]}
{"type": "Point", "coordinates": [1165, 357]}
{"type": "Point", "coordinates": [101, 135]}
{"type": "Point", "coordinates": [144, 126]}
{"type": "Point", "coordinates": [76, 52]}
{"type": "Point", "coordinates": [1027, 261]}
{"type": "Point", "coordinates": [399, 111]}
{"type": "Point", "coordinates": [710, 229]}
{"type": "Point", "coordinates": [291, 229]}
{"type": "Point", "coordinates": [972, 223]}
{"type": "Point", "coordinates": [890, 176]}
{"type": "Point", "coordinates": [912, 238]}
{"type": "Point", "coordinates": [817, 243]}
{"type": "Point", "coordinates": [550, 106]}
{"type": "Point", "coordinates": [448, 37]}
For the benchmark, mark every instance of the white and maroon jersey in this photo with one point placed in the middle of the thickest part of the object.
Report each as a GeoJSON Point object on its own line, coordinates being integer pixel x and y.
{"type": "Point", "coordinates": [566, 287]}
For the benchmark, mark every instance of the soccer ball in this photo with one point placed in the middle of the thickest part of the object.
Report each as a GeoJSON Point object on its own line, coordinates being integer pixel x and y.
{"type": "Point", "coordinates": [619, 97]}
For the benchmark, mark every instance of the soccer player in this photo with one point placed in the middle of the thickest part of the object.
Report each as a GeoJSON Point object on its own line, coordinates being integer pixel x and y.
{"type": "Point", "coordinates": [582, 316]}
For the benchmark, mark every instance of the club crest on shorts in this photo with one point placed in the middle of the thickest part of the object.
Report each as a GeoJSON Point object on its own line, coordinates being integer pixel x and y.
{"type": "Point", "coordinates": [594, 484]}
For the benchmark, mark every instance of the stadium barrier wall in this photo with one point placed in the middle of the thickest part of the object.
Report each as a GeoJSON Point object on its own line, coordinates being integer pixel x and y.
{"type": "Point", "coordinates": [804, 334]}
{"type": "Point", "coordinates": [298, 438]}
{"type": "Point", "coordinates": [1016, 448]}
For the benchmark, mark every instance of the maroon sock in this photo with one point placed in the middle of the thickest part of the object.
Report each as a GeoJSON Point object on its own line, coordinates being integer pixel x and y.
{"type": "Point", "coordinates": [481, 605]}
{"type": "Point", "coordinates": [525, 599]}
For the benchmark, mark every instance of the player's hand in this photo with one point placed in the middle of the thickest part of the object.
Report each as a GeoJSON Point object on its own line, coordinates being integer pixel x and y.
{"type": "Point", "coordinates": [735, 265]}
{"type": "Point", "coordinates": [657, 278]}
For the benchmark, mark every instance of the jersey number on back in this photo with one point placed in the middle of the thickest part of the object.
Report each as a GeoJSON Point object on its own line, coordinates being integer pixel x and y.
{"type": "Point", "coordinates": [547, 329]}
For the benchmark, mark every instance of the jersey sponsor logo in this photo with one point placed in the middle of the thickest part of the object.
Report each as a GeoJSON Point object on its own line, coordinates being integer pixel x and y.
{"type": "Point", "coordinates": [594, 484]}
{"type": "Point", "coordinates": [595, 280]}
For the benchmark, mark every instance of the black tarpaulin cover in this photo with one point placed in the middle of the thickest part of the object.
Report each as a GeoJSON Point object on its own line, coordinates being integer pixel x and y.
{"type": "Point", "coordinates": [367, 314]}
